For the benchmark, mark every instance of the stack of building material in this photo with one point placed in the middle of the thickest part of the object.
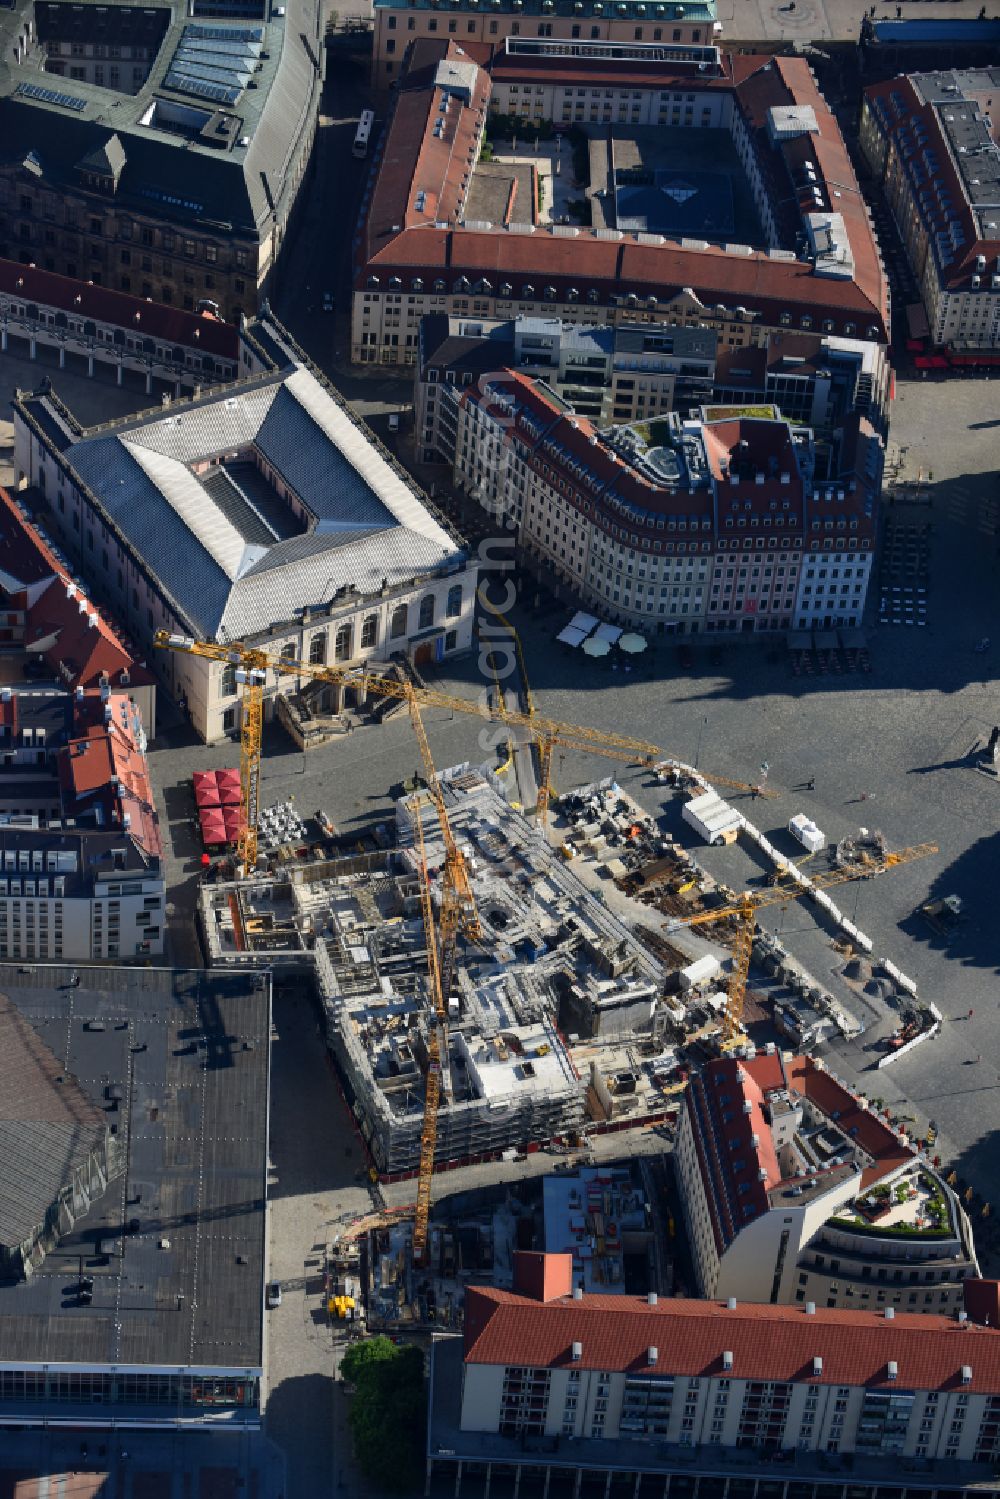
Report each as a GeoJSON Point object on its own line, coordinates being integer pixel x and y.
{"type": "Point", "coordinates": [807, 833]}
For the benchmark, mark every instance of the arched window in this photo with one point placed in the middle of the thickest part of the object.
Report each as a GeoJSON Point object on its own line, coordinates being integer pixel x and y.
{"type": "Point", "coordinates": [342, 643]}
{"type": "Point", "coordinates": [317, 648]}
{"type": "Point", "coordinates": [455, 601]}
{"type": "Point", "coordinates": [369, 632]}
{"type": "Point", "coordinates": [288, 654]}
{"type": "Point", "coordinates": [398, 628]}
{"type": "Point", "coordinates": [426, 611]}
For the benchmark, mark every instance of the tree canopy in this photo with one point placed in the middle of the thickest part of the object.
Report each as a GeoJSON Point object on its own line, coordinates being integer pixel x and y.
{"type": "Point", "coordinates": [388, 1412]}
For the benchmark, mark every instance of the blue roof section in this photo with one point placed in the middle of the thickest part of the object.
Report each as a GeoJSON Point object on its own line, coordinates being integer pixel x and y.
{"type": "Point", "coordinates": [155, 530]}
{"type": "Point", "coordinates": [927, 30]}
{"type": "Point", "coordinates": [335, 491]}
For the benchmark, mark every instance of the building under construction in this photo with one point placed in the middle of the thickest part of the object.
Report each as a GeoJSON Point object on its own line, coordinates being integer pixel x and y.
{"type": "Point", "coordinates": [549, 948]}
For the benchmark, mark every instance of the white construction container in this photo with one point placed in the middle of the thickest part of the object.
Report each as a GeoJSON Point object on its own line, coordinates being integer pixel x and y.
{"type": "Point", "coordinates": [807, 833]}
{"type": "Point", "coordinates": [701, 971]}
{"type": "Point", "coordinates": [712, 818]}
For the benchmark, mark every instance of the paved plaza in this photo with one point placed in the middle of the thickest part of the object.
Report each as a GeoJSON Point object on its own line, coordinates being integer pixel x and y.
{"type": "Point", "coordinates": [898, 737]}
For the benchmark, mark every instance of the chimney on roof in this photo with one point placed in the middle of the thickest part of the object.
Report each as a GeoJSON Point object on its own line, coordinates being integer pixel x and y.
{"type": "Point", "coordinates": [577, 1293]}
{"type": "Point", "coordinates": [963, 1318]}
{"type": "Point", "coordinates": [653, 1354]}
{"type": "Point", "coordinates": [727, 1359]}
{"type": "Point", "coordinates": [576, 1353]}
{"type": "Point", "coordinates": [731, 1303]}
{"type": "Point", "coordinates": [966, 1373]}
{"type": "Point", "coordinates": [890, 1313]}
{"type": "Point", "coordinates": [652, 1298]}
{"type": "Point", "coordinates": [810, 1308]}
{"type": "Point", "coordinates": [817, 1366]}
{"type": "Point", "coordinates": [543, 1277]}
{"type": "Point", "coordinates": [891, 1369]}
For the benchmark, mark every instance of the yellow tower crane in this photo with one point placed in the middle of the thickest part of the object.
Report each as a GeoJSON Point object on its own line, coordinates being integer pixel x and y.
{"type": "Point", "coordinates": [437, 1054]}
{"type": "Point", "coordinates": [744, 913]}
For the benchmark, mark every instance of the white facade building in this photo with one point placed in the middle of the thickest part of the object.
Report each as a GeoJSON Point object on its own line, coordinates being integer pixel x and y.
{"type": "Point", "coordinates": [266, 513]}
{"type": "Point", "coordinates": [794, 1191]}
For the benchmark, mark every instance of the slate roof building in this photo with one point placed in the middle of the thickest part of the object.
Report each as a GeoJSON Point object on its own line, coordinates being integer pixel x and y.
{"type": "Point", "coordinates": [803, 256]}
{"type": "Point", "coordinates": [582, 1394]}
{"type": "Point", "coordinates": [264, 512]}
{"type": "Point", "coordinates": [56, 1145]}
{"type": "Point", "coordinates": [153, 153]}
{"type": "Point", "coordinates": [135, 1297]}
{"type": "Point", "coordinates": [794, 1190]}
{"type": "Point", "coordinates": [930, 141]}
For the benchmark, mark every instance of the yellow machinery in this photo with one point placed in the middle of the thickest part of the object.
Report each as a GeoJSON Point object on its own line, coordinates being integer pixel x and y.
{"type": "Point", "coordinates": [250, 662]}
{"type": "Point", "coordinates": [437, 1054]}
{"type": "Point", "coordinates": [744, 911]}
{"type": "Point", "coordinates": [457, 906]}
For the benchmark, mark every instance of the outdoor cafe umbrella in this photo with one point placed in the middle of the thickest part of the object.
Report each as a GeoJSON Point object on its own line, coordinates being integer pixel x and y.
{"type": "Point", "coordinates": [230, 792]}
{"type": "Point", "coordinates": [206, 793]}
{"type": "Point", "coordinates": [234, 822]}
{"type": "Point", "coordinates": [213, 827]}
{"type": "Point", "coordinates": [595, 646]}
{"type": "Point", "coordinates": [633, 645]}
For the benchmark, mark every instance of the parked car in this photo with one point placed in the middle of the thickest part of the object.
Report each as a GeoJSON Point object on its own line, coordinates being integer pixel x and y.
{"type": "Point", "coordinates": [274, 1294]}
{"type": "Point", "coordinates": [328, 302]}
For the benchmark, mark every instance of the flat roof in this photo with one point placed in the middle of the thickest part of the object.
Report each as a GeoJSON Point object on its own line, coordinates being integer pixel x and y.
{"type": "Point", "coordinates": [175, 1246]}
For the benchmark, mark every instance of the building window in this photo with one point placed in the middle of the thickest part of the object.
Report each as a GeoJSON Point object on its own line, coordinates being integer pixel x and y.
{"type": "Point", "coordinates": [317, 649]}
{"type": "Point", "coordinates": [369, 632]}
{"type": "Point", "coordinates": [454, 601]}
{"type": "Point", "coordinates": [426, 612]}
{"type": "Point", "coordinates": [398, 626]}
{"type": "Point", "coordinates": [342, 644]}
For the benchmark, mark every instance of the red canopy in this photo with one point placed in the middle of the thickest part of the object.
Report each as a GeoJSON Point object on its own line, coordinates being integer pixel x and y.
{"type": "Point", "coordinates": [213, 827]}
{"type": "Point", "coordinates": [229, 795]}
{"type": "Point", "coordinates": [207, 793]}
{"type": "Point", "coordinates": [230, 776]}
{"type": "Point", "coordinates": [233, 817]}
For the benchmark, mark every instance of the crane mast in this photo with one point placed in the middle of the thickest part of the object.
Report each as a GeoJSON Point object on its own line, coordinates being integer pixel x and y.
{"type": "Point", "coordinates": [744, 913]}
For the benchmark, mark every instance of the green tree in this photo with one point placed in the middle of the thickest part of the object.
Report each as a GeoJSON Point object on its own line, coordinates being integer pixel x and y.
{"type": "Point", "coordinates": [388, 1412]}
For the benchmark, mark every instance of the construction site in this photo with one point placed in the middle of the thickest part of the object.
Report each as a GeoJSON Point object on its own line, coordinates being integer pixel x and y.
{"type": "Point", "coordinates": [556, 1016]}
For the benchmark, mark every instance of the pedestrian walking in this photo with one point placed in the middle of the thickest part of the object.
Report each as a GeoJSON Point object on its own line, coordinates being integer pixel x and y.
{"type": "Point", "coordinates": [811, 784]}
{"type": "Point", "coordinates": [970, 1014]}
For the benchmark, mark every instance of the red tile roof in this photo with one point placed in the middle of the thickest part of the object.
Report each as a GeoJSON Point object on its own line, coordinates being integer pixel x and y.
{"type": "Point", "coordinates": [765, 285]}
{"type": "Point", "coordinates": [106, 766]}
{"type": "Point", "coordinates": [982, 1301]}
{"type": "Point", "coordinates": [900, 109]}
{"type": "Point", "coordinates": [415, 160]}
{"type": "Point", "coordinates": [875, 1137]}
{"type": "Point", "coordinates": [61, 624]}
{"type": "Point", "coordinates": [767, 1342]}
{"type": "Point", "coordinates": [85, 300]}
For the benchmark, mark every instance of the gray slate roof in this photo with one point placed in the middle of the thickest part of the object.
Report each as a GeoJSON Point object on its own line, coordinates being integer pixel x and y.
{"type": "Point", "coordinates": [47, 1128]}
{"type": "Point", "coordinates": [365, 522]}
{"type": "Point", "coordinates": [168, 174]}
